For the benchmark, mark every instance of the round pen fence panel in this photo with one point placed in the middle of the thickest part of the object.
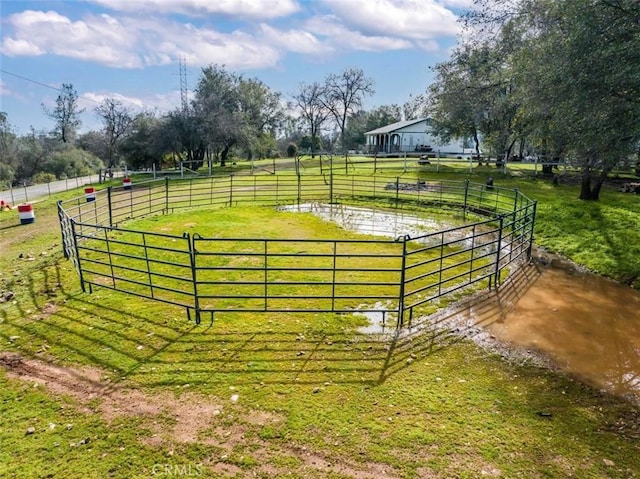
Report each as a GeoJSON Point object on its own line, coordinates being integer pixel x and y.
{"type": "Point", "coordinates": [401, 276]}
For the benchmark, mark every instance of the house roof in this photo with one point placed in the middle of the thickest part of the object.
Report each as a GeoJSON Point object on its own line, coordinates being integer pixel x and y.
{"type": "Point", "coordinates": [394, 126]}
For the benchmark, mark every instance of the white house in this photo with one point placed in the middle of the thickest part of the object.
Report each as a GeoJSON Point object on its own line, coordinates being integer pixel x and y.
{"type": "Point", "coordinates": [413, 137]}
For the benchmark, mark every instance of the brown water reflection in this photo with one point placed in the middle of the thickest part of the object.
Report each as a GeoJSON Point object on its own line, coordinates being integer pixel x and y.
{"type": "Point", "coordinates": [585, 324]}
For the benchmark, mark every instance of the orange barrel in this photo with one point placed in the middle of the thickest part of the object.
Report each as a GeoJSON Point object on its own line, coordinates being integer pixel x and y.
{"type": "Point", "coordinates": [90, 193]}
{"type": "Point", "coordinates": [126, 182]}
{"type": "Point", "coordinates": [25, 211]}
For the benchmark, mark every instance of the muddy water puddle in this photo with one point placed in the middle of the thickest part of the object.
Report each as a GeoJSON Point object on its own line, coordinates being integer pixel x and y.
{"type": "Point", "coordinates": [585, 324]}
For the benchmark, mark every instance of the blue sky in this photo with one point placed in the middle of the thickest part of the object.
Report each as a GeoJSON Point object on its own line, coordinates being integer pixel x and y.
{"type": "Point", "coordinates": [129, 49]}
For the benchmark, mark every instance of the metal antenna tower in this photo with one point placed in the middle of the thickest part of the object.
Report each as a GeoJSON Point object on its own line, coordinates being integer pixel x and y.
{"type": "Point", "coordinates": [182, 64]}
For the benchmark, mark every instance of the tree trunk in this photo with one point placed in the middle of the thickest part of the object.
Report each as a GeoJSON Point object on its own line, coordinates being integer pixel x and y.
{"type": "Point", "coordinates": [223, 156]}
{"type": "Point", "coordinates": [590, 187]}
{"type": "Point", "coordinates": [585, 186]}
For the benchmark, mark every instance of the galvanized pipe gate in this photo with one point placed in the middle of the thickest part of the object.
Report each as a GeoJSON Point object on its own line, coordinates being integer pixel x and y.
{"type": "Point", "coordinates": [401, 277]}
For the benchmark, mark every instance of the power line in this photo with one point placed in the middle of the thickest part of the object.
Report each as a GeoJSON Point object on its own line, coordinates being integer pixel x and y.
{"type": "Point", "coordinates": [45, 85]}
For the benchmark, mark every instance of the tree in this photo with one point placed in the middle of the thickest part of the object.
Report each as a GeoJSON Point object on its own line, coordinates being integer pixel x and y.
{"type": "Point", "coordinates": [145, 145]}
{"type": "Point", "coordinates": [70, 163]}
{"type": "Point", "coordinates": [591, 82]}
{"type": "Point", "coordinates": [217, 106]}
{"type": "Point", "coordinates": [95, 143]}
{"type": "Point", "coordinates": [310, 103]}
{"type": "Point", "coordinates": [473, 95]}
{"type": "Point", "coordinates": [116, 119]}
{"type": "Point", "coordinates": [362, 121]}
{"type": "Point", "coordinates": [262, 115]}
{"type": "Point", "coordinates": [186, 136]}
{"type": "Point", "coordinates": [574, 65]}
{"type": "Point", "coordinates": [66, 113]}
{"type": "Point", "coordinates": [414, 107]}
{"type": "Point", "coordinates": [8, 150]}
{"type": "Point", "coordinates": [344, 94]}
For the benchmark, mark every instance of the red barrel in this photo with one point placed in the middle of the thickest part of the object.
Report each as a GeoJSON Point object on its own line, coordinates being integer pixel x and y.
{"type": "Point", "coordinates": [126, 182]}
{"type": "Point", "coordinates": [26, 214]}
{"type": "Point", "coordinates": [90, 193]}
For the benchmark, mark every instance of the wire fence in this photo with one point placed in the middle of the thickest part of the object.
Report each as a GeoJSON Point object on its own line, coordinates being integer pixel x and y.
{"type": "Point", "coordinates": [401, 276]}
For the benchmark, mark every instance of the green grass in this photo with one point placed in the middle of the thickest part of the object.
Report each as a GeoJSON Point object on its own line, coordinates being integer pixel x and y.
{"type": "Point", "coordinates": [315, 398]}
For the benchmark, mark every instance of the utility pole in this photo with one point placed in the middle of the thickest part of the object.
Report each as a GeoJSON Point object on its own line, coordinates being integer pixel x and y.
{"type": "Point", "coordinates": [182, 65]}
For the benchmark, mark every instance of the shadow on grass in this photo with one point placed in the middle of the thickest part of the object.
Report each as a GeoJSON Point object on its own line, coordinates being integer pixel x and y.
{"type": "Point", "coordinates": [154, 345]}
{"type": "Point", "coordinates": [617, 245]}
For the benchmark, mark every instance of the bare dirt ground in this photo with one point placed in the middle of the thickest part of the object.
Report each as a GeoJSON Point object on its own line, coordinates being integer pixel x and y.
{"type": "Point", "coordinates": [195, 418]}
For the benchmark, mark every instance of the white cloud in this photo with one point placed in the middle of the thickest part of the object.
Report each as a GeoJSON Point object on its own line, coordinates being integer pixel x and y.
{"type": "Point", "coordinates": [129, 42]}
{"type": "Point", "coordinates": [93, 99]}
{"type": "Point", "coordinates": [409, 19]}
{"type": "Point", "coordinates": [298, 41]}
{"type": "Point", "coordinates": [256, 9]}
{"type": "Point", "coordinates": [159, 102]}
{"type": "Point", "coordinates": [343, 38]}
{"type": "Point", "coordinates": [20, 47]}
{"type": "Point", "coordinates": [102, 39]}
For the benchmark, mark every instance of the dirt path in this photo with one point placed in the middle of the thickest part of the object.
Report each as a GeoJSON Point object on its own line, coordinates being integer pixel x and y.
{"type": "Point", "coordinates": [195, 419]}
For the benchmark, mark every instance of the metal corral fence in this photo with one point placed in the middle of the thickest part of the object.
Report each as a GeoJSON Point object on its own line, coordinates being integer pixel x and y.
{"type": "Point", "coordinates": [401, 275]}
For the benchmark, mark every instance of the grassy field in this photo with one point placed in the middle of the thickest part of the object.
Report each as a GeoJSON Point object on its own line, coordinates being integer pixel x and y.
{"type": "Point", "coordinates": [106, 385]}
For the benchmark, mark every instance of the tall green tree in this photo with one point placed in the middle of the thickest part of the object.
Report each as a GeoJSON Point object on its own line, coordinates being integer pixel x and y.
{"type": "Point", "coordinates": [473, 96]}
{"type": "Point", "coordinates": [8, 150]}
{"type": "Point", "coordinates": [262, 114]}
{"type": "Point", "coordinates": [592, 82]}
{"type": "Point", "coordinates": [576, 74]}
{"type": "Point", "coordinates": [145, 145]}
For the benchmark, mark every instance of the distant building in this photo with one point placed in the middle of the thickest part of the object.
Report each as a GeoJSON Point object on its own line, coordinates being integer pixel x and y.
{"type": "Point", "coordinates": [413, 137]}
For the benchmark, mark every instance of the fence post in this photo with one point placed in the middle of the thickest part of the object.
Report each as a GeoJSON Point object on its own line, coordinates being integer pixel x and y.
{"type": "Point", "coordinates": [194, 276]}
{"type": "Point", "coordinates": [299, 189]}
{"type": "Point", "coordinates": [516, 195]}
{"type": "Point", "coordinates": [75, 246]}
{"type": "Point", "coordinates": [166, 195]}
{"type": "Point", "coordinates": [231, 190]}
{"type": "Point", "coordinates": [61, 219]}
{"type": "Point", "coordinates": [397, 190]}
{"type": "Point", "coordinates": [532, 223]}
{"type": "Point", "coordinates": [331, 186]}
{"type": "Point", "coordinates": [402, 281]}
{"type": "Point", "coordinates": [109, 205]}
{"type": "Point", "coordinates": [497, 272]}
{"type": "Point", "coordinates": [466, 197]}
